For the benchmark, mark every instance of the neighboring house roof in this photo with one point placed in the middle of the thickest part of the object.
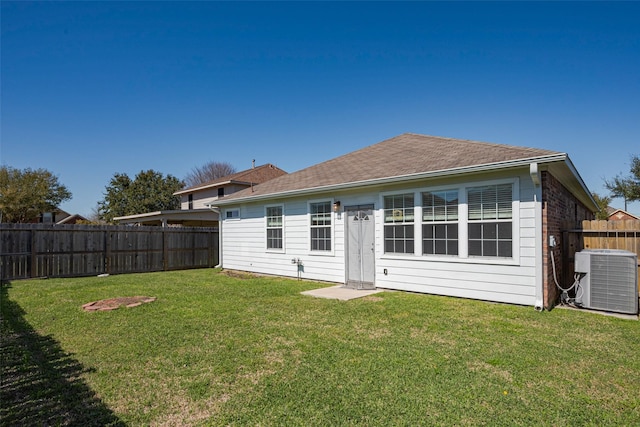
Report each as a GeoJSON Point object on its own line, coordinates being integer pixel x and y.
{"type": "Point", "coordinates": [253, 176]}
{"type": "Point", "coordinates": [411, 156]}
{"type": "Point", "coordinates": [248, 178]}
{"type": "Point", "coordinates": [71, 219]}
{"type": "Point", "coordinates": [619, 214]}
{"type": "Point", "coordinates": [193, 216]}
{"type": "Point", "coordinates": [58, 216]}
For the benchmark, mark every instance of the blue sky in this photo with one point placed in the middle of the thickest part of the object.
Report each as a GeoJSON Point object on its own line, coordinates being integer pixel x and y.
{"type": "Point", "coordinates": [90, 89]}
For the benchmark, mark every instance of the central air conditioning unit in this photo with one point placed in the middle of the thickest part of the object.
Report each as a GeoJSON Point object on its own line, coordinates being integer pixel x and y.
{"type": "Point", "coordinates": [608, 280]}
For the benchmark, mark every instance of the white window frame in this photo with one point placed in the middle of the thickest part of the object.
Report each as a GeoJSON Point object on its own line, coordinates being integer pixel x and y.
{"type": "Point", "coordinates": [235, 214]}
{"type": "Point", "coordinates": [514, 215]}
{"type": "Point", "coordinates": [463, 241]}
{"type": "Point", "coordinates": [267, 228]}
{"type": "Point", "coordinates": [446, 221]}
{"type": "Point", "coordinates": [400, 221]}
{"type": "Point", "coordinates": [311, 226]}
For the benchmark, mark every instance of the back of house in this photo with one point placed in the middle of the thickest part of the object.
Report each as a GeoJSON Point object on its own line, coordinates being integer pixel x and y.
{"type": "Point", "coordinates": [416, 213]}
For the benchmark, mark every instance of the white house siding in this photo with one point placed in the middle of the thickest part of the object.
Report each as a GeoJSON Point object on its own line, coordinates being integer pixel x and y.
{"type": "Point", "coordinates": [244, 244]}
{"type": "Point", "coordinates": [512, 281]}
{"type": "Point", "coordinates": [486, 278]}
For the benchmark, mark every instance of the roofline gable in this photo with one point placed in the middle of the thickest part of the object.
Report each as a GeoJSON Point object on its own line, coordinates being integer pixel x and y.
{"type": "Point", "coordinates": [616, 210]}
{"type": "Point", "coordinates": [412, 157]}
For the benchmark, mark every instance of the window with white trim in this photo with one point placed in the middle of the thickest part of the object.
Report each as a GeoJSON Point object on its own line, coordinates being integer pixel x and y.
{"type": "Point", "coordinates": [320, 226]}
{"type": "Point", "coordinates": [440, 222]}
{"type": "Point", "coordinates": [490, 220]}
{"type": "Point", "coordinates": [274, 227]}
{"type": "Point", "coordinates": [398, 223]}
{"type": "Point", "coordinates": [232, 213]}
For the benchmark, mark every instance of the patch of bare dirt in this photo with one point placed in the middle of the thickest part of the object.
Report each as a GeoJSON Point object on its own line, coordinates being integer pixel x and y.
{"type": "Point", "coordinates": [238, 274]}
{"type": "Point", "coordinates": [114, 303]}
{"type": "Point", "coordinates": [372, 298]}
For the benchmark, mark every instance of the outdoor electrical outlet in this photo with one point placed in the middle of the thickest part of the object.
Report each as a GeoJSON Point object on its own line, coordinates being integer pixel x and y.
{"type": "Point", "coordinates": [552, 241]}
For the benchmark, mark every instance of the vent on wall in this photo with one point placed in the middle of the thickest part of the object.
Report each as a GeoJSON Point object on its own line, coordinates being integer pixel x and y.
{"type": "Point", "coordinates": [609, 280]}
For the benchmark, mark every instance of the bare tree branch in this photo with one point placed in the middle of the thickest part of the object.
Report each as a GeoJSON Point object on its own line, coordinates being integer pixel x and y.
{"type": "Point", "coordinates": [208, 172]}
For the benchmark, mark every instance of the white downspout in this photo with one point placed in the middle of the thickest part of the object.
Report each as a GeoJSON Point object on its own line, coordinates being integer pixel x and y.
{"type": "Point", "coordinates": [537, 199]}
{"type": "Point", "coordinates": [219, 212]}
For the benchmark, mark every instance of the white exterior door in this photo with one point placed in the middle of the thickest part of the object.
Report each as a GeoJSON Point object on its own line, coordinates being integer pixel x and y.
{"type": "Point", "coordinates": [360, 260]}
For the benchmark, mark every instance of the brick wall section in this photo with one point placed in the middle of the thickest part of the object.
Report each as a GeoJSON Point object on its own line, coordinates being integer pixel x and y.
{"type": "Point", "coordinates": [560, 210]}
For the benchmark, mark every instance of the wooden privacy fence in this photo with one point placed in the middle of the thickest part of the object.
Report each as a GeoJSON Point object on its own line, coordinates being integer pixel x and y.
{"type": "Point", "coordinates": [45, 250]}
{"type": "Point", "coordinates": [612, 235]}
{"type": "Point", "coordinates": [602, 234]}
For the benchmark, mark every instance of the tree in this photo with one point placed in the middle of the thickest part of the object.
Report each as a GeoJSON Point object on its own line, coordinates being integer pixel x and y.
{"type": "Point", "coordinates": [94, 216]}
{"type": "Point", "coordinates": [627, 187]}
{"type": "Point", "coordinates": [27, 193]}
{"type": "Point", "coordinates": [635, 172]}
{"type": "Point", "coordinates": [208, 172]}
{"type": "Point", "coordinates": [620, 187]}
{"type": "Point", "coordinates": [603, 203]}
{"type": "Point", "coordinates": [149, 191]}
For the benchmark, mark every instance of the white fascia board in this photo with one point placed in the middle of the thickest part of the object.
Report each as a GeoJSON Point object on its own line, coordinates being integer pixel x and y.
{"type": "Point", "coordinates": [177, 212]}
{"type": "Point", "coordinates": [400, 178]}
{"type": "Point", "coordinates": [204, 187]}
{"type": "Point", "coordinates": [142, 215]}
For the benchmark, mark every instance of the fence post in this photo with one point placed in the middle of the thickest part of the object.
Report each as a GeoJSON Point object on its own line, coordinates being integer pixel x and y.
{"type": "Point", "coordinates": [107, 250]}
{"type": "Point", "coordinates": [215, 237]}
{"type": "Point", "coordinates": [212, 249]}
{"type": "Point", "coordinates": [34, 270]}
{"type": "Point", "coordinates": [165, 250]}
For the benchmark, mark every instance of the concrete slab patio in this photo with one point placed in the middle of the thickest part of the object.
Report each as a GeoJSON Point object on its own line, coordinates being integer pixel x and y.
{"type": "Point", "coordinates": [341, 293]}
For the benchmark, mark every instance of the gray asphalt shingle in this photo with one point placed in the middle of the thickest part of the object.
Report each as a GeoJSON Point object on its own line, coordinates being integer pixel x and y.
{"type": "Point", "coordinates": [402, 155]}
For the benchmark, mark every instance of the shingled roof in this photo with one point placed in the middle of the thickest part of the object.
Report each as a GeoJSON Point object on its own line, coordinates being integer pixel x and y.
{"type": "Point", "coordinates": [253, 176]}
{"type": "Point", "coordinates": [405, 155]}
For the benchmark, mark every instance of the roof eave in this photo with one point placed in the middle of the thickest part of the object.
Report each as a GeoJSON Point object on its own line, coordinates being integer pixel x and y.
{"type": "Point", "coordinates": [559, 157]}
{"type": "Point", "coordinates": [589, 197]}
{"type": "Point", "coordinates": [204, 187]}
{"type": "Point", "coordinates": [182, 212]}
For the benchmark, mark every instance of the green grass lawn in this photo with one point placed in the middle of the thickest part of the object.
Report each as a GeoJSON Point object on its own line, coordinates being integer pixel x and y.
{"type": "Point", "coordinates": [220, 350]}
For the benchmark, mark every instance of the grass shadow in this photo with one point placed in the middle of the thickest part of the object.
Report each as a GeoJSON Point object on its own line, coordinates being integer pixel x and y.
{"type": "Point", "coordinates": [40, 384]}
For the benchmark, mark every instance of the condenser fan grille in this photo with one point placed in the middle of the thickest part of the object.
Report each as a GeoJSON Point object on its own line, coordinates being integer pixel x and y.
{"type": "Point", "coordinates": [609, 280]}
{"type": "Point", "coordinates": [613, 283]}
